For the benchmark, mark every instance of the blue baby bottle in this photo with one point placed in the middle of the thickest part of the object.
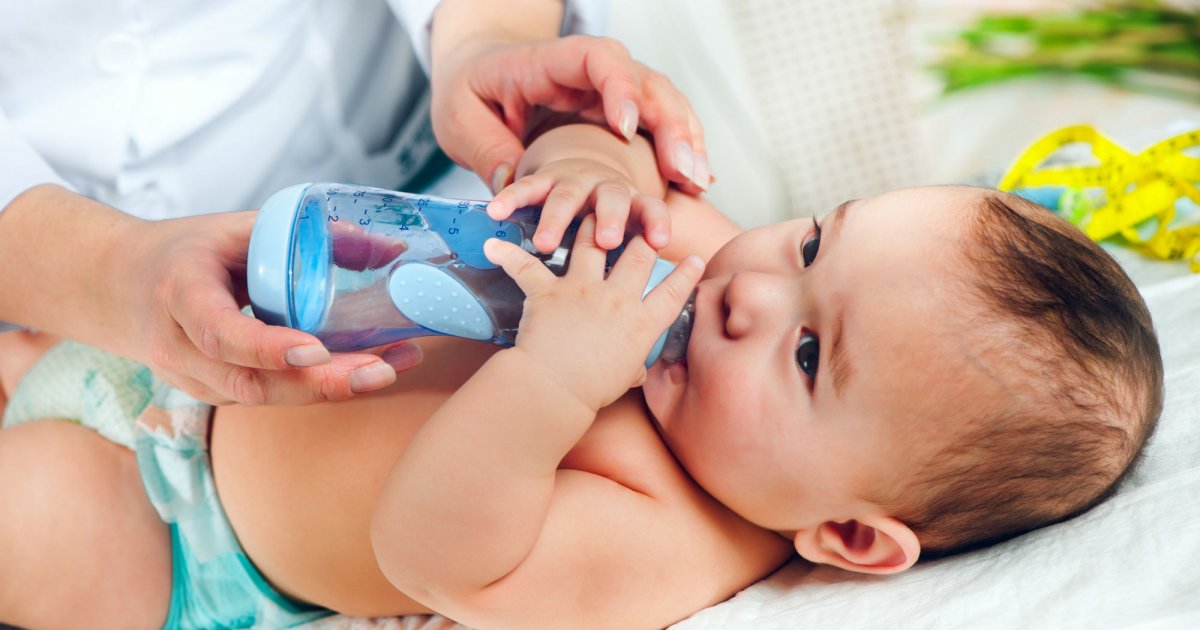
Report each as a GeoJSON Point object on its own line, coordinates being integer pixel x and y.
{"type": "Point", "coordinates": [360, 267]}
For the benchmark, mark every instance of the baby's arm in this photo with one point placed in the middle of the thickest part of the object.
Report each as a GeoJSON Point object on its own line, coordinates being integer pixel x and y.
{"type": "Point", "coordinates": [579, 165]}
{"type": "Point", "coordinates": [696, 227]}
{"type": "Point", "coordinates": [477, 520]}
{"type": "Point", "coordinates": [476, 511]}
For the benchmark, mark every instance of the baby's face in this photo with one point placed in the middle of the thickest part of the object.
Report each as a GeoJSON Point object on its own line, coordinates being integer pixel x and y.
{"type": "Point", "coordinates": [819, 359]}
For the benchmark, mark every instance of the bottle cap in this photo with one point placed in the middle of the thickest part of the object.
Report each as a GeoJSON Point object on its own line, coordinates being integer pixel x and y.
{"type": "Point", "coordinates": [268, 263]}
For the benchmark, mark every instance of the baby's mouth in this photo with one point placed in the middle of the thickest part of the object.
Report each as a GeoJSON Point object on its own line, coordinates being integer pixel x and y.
{"type": "Point", "coordinates": [723, 305]}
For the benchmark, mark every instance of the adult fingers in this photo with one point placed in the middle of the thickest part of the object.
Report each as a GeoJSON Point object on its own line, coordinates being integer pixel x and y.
{"type": "Point", "coordinates": [678, 137]}
{"type": "Point", "coordinates": [344, 376]}
{"type": "Point", "coordinates": [402, 356]}
{"type": "Point", "coordinates": [201, 342]}
{"type": "Point", "coordinates": [172, 358]}
{"type": "Point", "coordinates": [616, 76]}
{"type": "Point", "coordinates": [528, 272]}
{"type": "Point", "coordinates": [193, 388]}
{"type": "Point", "coordinates": [472, 135]}
{"type": "Point", "coordinates": [210, 318]}
{"type": "Point", "coordinates": [701, 175]}
{"type": "Point", "coordinates": [567, 71]}
{"type": "Point", "coordinates": [558, 74]}
{"type": "Point", "coordinates": [631, 94]}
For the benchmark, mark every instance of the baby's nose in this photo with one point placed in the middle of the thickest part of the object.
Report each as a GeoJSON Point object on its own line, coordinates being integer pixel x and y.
{"type": "Point", "coordinates": [753, 300]}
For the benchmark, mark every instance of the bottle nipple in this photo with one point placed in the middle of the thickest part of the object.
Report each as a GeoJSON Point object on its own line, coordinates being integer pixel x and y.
{"type": "Point", "coordinates": [675, 342]}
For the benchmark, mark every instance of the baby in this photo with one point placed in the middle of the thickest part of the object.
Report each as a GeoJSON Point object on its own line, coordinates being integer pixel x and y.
{"type": "Point", "coordinates": [911, 375]}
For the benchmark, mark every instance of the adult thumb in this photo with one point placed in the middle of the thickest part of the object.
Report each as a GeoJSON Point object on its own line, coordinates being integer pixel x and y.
{"type": "Point", "coordinates": [495, 154]}
{"type": "Point", "coordinates": [485, 143]}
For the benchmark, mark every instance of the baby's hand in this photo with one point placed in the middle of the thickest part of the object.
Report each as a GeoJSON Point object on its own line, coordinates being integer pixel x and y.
{"type": "Point", "coordinates": [564, 187]}
{"type": "Point", "coordinates": [591, 334]}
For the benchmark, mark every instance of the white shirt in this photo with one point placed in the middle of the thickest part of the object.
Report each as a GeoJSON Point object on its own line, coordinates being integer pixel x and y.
{"type": "Point", "coordinates": [167, 108]}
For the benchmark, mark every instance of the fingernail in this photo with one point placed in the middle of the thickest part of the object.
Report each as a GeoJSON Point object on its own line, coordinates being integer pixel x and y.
{"type": "Point", "coordinates": [403, 357]}
{"type": "Point", "coordinates": [307, 356]}
{"type": "Point", "coordinates": [694, 261]}
{"type": "Point", "coordinates": [660, 236]}
{"type": "Point", "coordinates": [684, 160]}
{"type": "Point", "coordinates": [628, 121]}
{"type": "Point", "coordinates": [610, 234]}
{"type": "Point", "coordinates": [371, 377]}
{"type": "Point", "coordinates": [547, 241]}
{"type": "Point", "coordinates": [701, 179]}
{"type": "Point", "coordinates": [500, 177]}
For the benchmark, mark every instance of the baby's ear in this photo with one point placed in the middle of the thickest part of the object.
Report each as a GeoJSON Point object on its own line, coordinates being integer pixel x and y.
{"type": "Point", "coordinates": [873, 545]}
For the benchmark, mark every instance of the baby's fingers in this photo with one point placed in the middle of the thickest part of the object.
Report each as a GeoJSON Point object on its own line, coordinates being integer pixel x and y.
{"type": "Point", "coordinates": [587, 258]}
{"type": "Point", "coordinates": [652, 214]}
{"type": "Point", "coordinates": [632, 270]}
{"type": "Point", "coordinates": [668, 298]}
{"type": "Point", "coordinates": [528, 272]}
{"type": "Point", "coordinates": [527, 191]}
{"type": "Point", "coordinates": [612, 201]}
{"type": "Point", "coordinates": [562, 204]}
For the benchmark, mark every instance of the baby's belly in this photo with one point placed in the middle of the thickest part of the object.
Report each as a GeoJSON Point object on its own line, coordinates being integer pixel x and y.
{"type": "Point", "coordinates": [299, 483]}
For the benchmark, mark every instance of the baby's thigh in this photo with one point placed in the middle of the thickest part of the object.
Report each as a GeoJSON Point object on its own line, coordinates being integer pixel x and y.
{"type": "Point", "coordinates": [19, 350]}
{"type": "Point", "coordinates": [80, 543]}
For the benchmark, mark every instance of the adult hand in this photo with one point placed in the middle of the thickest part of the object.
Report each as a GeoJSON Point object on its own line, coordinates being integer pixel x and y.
{"type": "Point", "coordinates": [484, 93]}
{"type": "Point", "coordinates": [167, 294]}
{"type": "Point", "coordinates": [181, 317]}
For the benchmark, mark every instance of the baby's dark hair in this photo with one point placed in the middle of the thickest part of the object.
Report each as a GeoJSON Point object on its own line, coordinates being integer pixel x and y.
{"type": "Point", "coordinates": [1067, 317]}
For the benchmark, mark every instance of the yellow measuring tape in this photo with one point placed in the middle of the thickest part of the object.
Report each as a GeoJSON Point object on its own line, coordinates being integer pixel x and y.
{"type": "Point", "coordinates": [1121, 194]}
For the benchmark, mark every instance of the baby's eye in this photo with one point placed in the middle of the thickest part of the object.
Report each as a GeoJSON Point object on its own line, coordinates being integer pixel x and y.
{"type": "Point", "coordinates": [808, 249]}
{"type": "Point", "coordinates": [808, 352]}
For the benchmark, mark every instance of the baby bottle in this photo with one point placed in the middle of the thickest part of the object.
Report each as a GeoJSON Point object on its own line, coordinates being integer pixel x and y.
{"type": "Point", "coordinates": [360, 267]}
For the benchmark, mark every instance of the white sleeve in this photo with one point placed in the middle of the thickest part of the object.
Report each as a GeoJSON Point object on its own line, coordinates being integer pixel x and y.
{"type": "Point", "coordinates": [588, 17]}
{"type": "Point", "coordinates": [23, 166]}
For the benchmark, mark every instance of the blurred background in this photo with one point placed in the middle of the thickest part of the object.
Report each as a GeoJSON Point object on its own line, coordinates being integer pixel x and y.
{"type": "Point", "coordinates": [807, 104]}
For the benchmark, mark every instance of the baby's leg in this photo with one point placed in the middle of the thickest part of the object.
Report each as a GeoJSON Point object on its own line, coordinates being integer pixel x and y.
{"type": "Point", "coordinates": [80, 543]}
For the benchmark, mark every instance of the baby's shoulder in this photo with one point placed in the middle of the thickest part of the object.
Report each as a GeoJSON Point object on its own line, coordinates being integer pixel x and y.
{"type": "Point", "coordinates": [624, 446]}
{"type": "Point", "coordinates": [668, 521]}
